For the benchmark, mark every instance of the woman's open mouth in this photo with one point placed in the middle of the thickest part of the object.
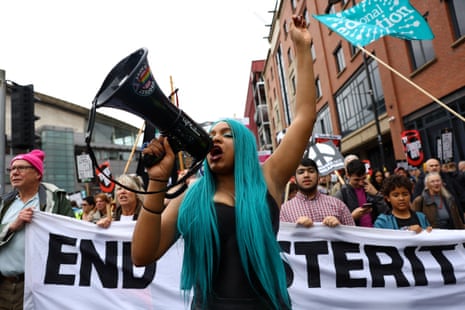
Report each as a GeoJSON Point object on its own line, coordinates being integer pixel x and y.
{"type": "Point", "coordinates": [215, 153]}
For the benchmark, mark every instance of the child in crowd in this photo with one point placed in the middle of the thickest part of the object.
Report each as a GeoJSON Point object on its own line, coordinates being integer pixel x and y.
{"type": "Point", "coordinates": [397, 190]}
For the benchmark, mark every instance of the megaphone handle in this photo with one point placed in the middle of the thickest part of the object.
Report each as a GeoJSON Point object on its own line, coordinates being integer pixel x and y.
{"type": "Point", "coordinates": [149, 160]}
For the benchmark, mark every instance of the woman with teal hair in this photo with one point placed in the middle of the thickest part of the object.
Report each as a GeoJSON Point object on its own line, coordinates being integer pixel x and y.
{"type": "Point", "coordinates": [229, 217]}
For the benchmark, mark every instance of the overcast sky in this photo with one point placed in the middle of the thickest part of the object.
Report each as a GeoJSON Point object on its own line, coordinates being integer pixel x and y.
{"type": "Point", "coordinates": [67, 48]}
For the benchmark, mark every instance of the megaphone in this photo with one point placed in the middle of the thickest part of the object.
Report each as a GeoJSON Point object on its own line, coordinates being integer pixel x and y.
{"type": "Point", "coordinates": [130, 86]}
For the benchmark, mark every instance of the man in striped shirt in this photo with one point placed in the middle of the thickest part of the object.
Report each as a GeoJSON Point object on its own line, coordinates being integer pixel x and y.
{"type": "Point", "coordinates": [309, 205]}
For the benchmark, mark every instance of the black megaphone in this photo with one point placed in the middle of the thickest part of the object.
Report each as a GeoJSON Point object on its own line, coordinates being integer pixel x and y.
{"type": "Point", "coordinates": [130, 86]}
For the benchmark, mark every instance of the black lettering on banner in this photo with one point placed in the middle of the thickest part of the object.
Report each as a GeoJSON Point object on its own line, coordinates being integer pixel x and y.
{"type": "Point", "coordinates": [286, 247]}
{"type": "Point", "coordinates": [379, 271]}
{"type": "Point", "coordinates": [311, 250]}
{"type": "Point", "coordinates": [129, 280]}
{"type": "Point", "coordinates": [107, 268]}
{"type": "Point", "coordinates": [447, 270]}
{"type": "Point", "coordinates": [107, 271]}
{"type": "Point", "coordinates": [344, 265]}
{"type": "Point", "coordinates": [418, 269]}
{"type": "Point", "coordinates": [56, 258]}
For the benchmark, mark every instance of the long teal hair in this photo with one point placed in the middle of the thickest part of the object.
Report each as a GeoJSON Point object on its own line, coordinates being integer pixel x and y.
{"type": "Point", "coordinates": [258, 247]}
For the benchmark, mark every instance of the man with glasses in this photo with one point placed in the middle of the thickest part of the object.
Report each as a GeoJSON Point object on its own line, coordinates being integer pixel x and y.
{"type": "Point", "coordinates": [16, 209]}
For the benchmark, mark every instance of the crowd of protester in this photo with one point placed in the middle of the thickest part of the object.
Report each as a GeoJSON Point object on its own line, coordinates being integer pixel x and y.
{"type": "Point", "coordinates": [414, 198]}
{"type": "Point", "coordinates": [431, 196]}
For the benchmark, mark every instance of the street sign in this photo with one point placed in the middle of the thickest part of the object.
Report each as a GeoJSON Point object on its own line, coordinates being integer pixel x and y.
{"type": "Point", "coordinates": [105, 178]}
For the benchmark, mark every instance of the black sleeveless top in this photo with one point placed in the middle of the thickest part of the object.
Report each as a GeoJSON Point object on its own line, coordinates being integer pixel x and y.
{"type": "Point", "coordinates": [230, 283]}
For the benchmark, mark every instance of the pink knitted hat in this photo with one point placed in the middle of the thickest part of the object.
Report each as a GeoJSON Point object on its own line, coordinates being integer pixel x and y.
{"type": "Point", "coordinates": [34, 157]}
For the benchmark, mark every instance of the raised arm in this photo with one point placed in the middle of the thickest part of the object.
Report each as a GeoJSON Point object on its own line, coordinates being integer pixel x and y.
{"type": "Point", "coordinates": [283, 162]}
{"type": "Point", "coordinates": [155, 229]}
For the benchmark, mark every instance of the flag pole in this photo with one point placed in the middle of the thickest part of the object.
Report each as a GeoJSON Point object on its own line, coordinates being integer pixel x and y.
{"type": "Point", "coordinates": [173, 101]}
{"type": "Point", "coordinates": [339, 177]}
{"type": "Point", "coordinates": [412, 83]}
{"type": "Point", "coordinates": [141, 129]}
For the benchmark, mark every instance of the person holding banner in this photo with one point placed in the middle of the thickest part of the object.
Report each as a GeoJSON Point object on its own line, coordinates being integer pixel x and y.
{"type": "Point", "coordinates": [309, 205]}
{"type": "Point", "coordinates": [229, 217]}
{"type": "Point", "coordinates": [16, 210]}
{"type": "Point", "coordinates": [397, 191]}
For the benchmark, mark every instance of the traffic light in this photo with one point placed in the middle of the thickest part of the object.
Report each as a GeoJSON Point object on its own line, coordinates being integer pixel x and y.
{"type": "Point", "coordinates": [22, 117]}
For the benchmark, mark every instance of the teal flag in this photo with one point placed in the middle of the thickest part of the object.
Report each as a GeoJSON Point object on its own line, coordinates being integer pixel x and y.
{"type": "Point", "coordinates": [373, 19]}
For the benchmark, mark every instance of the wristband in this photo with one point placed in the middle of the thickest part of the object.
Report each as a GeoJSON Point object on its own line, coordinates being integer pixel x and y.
{"type": "Point", "coordinates": [159, 180]}
{"type": "Point", "coordinates": [152, 211]}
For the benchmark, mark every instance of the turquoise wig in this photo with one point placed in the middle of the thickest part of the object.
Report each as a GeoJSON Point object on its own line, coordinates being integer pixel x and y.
{"type": "Point", "coordinates": [257, 242]}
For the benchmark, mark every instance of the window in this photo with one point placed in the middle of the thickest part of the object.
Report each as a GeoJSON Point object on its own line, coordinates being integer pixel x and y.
{"type": "Point", "coordinates": [306, 15]}
{"type": "Point", "coordinates": [293, 5]}
{"type": "Point", "coordinates": [277, 115]}
{"type": "Point", "coordinates": [318, 87]}
{"type": "Point", "coordinates": [353, 50]}
{"type": "Point", "coordinates": [312, 51]}
{"type": "Point", "coordinates": [339, 58]}
{"type": "Point", "coordinates": [421, 52]}
{"type": "Point", "coordinates": [293, 85]}
{"type": "Point", "coordinates": [354, 104]}
{"type": "Point", "coordinates": [332, 9]}
{"type": "Point", "coordinates": [457, 12]}
{"type": "Point", "coordinates": [283, 83]}
{"type": "Point", "coordinates": [323, 121]}
{"type": "Point", "coordinates": [289, 55]}
{"type": "Point", "coordinates": [431, 120]}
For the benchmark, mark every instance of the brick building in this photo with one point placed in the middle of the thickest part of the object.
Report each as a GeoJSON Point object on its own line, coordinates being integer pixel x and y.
{"type": "Point", "coordinates": [346, 96]}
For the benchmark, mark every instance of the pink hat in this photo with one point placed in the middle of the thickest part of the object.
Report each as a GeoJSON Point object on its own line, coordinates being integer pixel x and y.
{"type": "Point", "coordinates": [34, 157]}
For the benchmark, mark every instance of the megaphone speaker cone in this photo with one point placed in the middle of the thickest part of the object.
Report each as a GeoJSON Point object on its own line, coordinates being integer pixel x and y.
{"type": "Point", "coordinates": [130, 86]}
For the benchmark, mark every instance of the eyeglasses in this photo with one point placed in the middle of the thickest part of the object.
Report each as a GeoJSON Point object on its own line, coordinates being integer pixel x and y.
{"type": "Point", "coordinates": [19, 168]}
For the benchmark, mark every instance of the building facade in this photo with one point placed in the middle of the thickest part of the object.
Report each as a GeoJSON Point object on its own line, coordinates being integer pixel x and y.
{"type": "Point", "coordinates": [366, 101]}
{"type": "Point", "coordinates": [60, 131]}
{"type": "Point", "coordinates": [256, 109]}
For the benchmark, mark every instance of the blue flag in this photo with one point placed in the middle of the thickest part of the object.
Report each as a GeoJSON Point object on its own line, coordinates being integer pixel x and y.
{"type": "Point", "coordinates": [373, 19]}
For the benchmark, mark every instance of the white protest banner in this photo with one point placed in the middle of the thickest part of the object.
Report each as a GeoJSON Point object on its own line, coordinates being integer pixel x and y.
{"type": "Point", "coordinates": [367, 268]}
{"type": "Point", "coordinates": [71, 264]}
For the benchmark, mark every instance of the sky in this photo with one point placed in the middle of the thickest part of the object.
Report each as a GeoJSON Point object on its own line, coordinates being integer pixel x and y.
{"type": "Point", "coordinates": [206, 47]}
